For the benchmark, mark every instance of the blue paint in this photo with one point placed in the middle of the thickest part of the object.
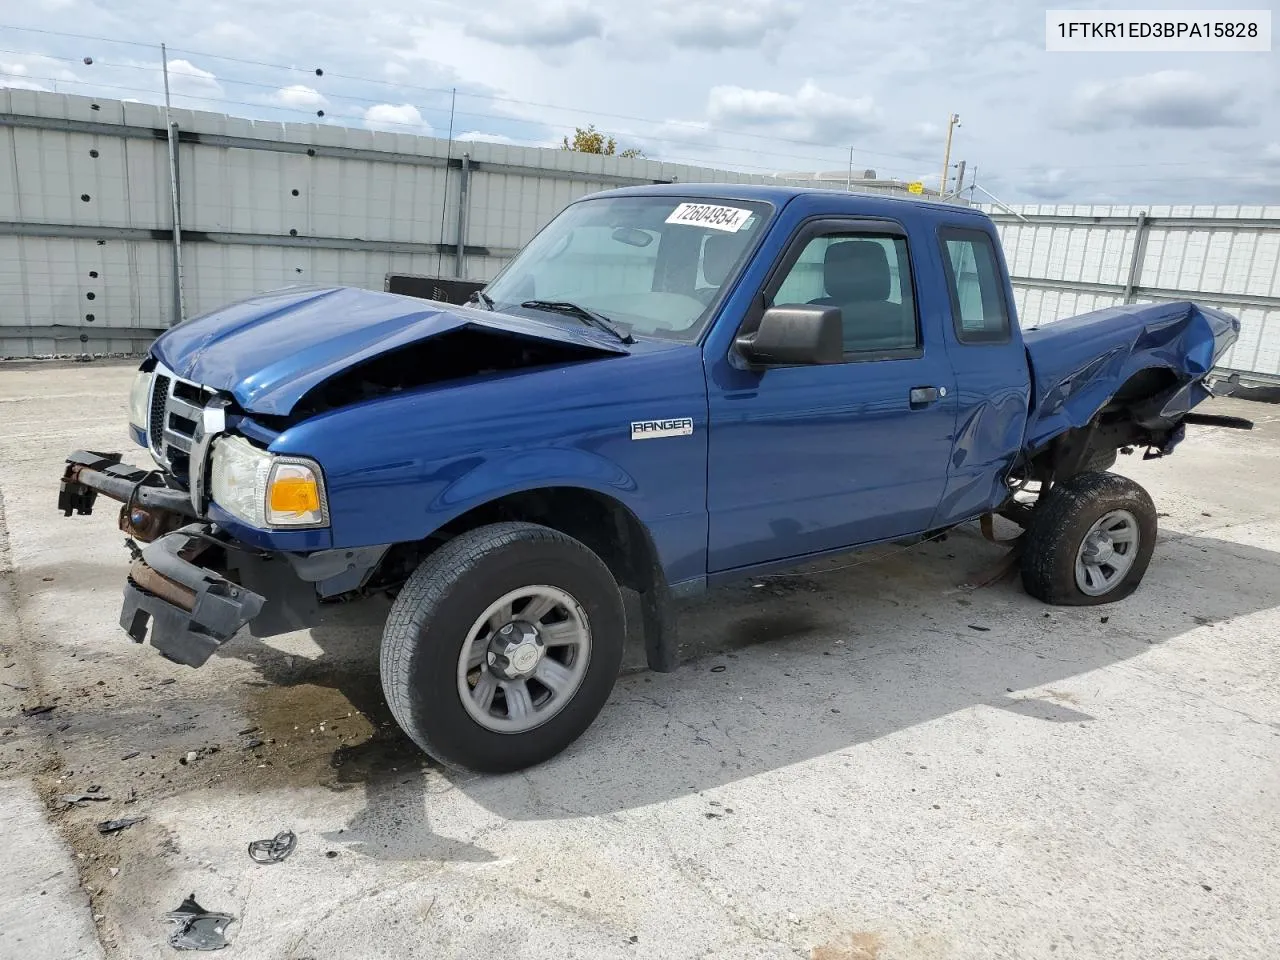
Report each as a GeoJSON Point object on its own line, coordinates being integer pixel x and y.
{"type": "Point", "coordinates": [783, 464]}
{"type": "Point", "coordinates": [268, 351]}
{"type": "Point", "coordinates": [1080, 362]}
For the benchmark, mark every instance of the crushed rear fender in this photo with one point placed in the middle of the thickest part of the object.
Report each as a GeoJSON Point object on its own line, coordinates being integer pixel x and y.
{"type": "Point", "coordinates": [1079, 364]}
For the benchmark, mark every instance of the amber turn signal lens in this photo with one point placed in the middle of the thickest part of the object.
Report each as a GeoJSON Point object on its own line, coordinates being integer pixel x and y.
{"type": "Point", "coordinates": [295, 495]}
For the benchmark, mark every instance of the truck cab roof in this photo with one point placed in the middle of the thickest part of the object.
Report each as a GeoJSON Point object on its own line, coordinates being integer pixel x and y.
{"type": "Point", "coordinates": [843, 201]}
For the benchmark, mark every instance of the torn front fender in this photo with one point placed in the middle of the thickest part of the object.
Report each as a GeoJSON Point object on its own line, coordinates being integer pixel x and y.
{"type": "Point", "coordinates": [1078, 365]}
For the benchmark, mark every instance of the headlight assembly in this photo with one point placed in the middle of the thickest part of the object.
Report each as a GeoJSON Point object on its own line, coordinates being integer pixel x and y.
{"type": "Point", "coordinates": [140, 399]}
{"type": "Point", "coordinates": [265, 490]}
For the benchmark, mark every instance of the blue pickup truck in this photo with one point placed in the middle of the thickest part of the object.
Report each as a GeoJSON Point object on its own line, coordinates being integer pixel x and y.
{"type": "Point", "coordinates": [669, 387]}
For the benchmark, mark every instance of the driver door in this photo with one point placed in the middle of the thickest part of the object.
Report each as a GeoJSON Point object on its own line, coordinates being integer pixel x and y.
{"type": "Point", "coordinates": [805, 459]}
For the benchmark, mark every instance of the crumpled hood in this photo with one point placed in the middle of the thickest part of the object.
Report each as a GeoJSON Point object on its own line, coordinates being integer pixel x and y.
{"type": "Point", "coordinates": [270, 350]}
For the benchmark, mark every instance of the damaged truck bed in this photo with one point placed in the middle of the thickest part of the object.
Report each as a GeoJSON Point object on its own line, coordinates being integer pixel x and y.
{"type": "Point", "coordinates": [668, 387]}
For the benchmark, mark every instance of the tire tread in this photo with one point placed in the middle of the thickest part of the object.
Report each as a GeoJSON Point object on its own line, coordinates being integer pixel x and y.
{"type": "Point", "coordinates": [423, 593]}
{"type": "Point", "coordinates": [1050, 535]}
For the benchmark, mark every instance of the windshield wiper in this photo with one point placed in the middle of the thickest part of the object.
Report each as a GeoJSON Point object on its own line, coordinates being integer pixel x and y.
{"type": "Point", "coordinates": [589, 317]}
{"type": "Point", "coordinates": [481, 297]}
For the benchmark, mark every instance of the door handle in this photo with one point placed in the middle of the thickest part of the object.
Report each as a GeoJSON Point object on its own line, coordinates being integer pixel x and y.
{"type": "Point", "coordinates": [921, 397]}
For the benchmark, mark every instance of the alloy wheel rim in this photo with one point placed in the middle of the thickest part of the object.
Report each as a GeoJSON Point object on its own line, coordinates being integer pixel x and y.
{"type": "Point", "coordinates": [523, 659]}
{"type": "Point", "coordinates": [1107, 553]}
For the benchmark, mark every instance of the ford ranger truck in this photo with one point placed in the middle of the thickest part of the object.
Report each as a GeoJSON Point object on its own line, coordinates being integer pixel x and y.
{"type": "Point", "coordinates": [669, 387]}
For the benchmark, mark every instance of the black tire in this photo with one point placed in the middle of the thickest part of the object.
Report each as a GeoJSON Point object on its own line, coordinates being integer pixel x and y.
{"type": "Point", "coordinates": [440, 603]}
{"type": "Point", "coordinates": [1100, 461]}
{"type": "Point", "coordinates": [1058, 528]}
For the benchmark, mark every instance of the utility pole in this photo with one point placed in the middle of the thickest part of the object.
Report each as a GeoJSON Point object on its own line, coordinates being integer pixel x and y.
{"type": "Point", "coordinates": [959, 179]}
{"type": "Point", "coordinates": [175, 199]}
{"type": "Point", "coordinates": [444, 191]}
{"type": "Point", "coordinates": [946, 157]}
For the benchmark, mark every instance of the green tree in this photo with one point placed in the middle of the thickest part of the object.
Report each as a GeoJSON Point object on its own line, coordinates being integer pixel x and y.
{"type": "Point", "coordinates": [591, 140]}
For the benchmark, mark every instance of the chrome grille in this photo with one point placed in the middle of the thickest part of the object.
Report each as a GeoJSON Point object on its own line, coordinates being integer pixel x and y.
{"type": "Point", "coordinates": [176, 407]}
{"type": "Point", "coordinates": [159, 391]}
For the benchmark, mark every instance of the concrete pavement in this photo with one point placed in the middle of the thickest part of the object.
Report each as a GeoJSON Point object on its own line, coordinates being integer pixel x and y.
{"type": "Point", "coordinates": [888, 765]}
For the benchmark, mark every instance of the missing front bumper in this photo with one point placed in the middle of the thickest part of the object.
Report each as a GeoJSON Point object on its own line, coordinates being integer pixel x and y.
{"type": "Point", "coordinates": [192, 610]}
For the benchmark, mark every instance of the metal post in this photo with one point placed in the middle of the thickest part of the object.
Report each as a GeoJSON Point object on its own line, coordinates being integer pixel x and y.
{"type": "Point", "coordinates": [952, 123]}
{"type": "Point", "coordinates": [848, 184]}
{"type": "Point", "coordinates": [463, 185]}
{"type": "Point", "coordinates": [171, 128]}
{"type": "Point", "coordinates": [997, 201]}
{"type": "Point", "coordinates": [959, 178]}
{"type": "Point", "coordinates": [1143, 227]}
{"type": "Point", "coordinates": [444, 192]}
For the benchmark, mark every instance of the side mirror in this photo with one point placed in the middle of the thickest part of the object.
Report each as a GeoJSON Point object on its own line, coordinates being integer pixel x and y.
{"type": "Point", "coordinates": [795, 334]}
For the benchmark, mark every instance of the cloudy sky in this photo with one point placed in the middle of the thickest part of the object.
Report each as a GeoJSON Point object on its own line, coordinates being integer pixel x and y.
{"type": "Point", "coordinates": [760, 85]}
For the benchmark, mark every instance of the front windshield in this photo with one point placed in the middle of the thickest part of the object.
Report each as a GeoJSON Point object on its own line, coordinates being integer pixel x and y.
{"type": "Point", "coordinates": [652, 265]}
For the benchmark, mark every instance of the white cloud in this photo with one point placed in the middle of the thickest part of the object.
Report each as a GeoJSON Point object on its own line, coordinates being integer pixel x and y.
{"type": "Point", "coordinates": [228, 32]}
{"type": "Point", "coordinates": [1049, 184]}
{"type": "Point", "coordinates": [479, 136]}
{"type": "Point", "coordinates": [186, 79]}
{"type": "Point", "coordinates": [16, 76]}
{"type": "Point", "coordinates": [899, 65]}
{"type": "Point", "coordinates": [557, 25]}
{"type": "Point", "coordinates": [36, 72]}
{"type": "Point", "coordinates": [1178, 99]}
{"type": "Point", "coordinates": [299, 96]}
{"type": "Point", "coordinates": [809, 114]}
{"type": "Point", "coordinates": [717, 25]}
{"type": "Point", "coordinates": [396, 118]}
{"type": "Point", "coordinates": [689, 133]}
{"type": "Point", "coordinates": [18, 83]}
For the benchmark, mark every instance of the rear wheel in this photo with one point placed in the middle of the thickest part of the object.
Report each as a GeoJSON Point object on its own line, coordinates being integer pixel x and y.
{"type": "Point", "coordinates": [1100, 461]}
{"type": "Point", "coordinates": [1089, 541]}
{"type": "Point", "coordinates": [503, 647]}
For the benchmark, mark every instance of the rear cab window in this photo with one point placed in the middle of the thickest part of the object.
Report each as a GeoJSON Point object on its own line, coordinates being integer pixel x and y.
{"type": "Point", "coordinates": [975, 286]}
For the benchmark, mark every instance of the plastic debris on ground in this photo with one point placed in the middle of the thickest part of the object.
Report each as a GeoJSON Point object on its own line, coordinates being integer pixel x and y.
{"type": "Point", "coordinates": [115, 826]}
{"type": "Point", "coordinates": [274, 850]}
{"type": "Point", "coordinates": [196, 928]}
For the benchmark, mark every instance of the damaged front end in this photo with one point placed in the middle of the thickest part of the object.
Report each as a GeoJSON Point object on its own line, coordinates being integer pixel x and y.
{"type": "Point", "coordinates": [192, 585]}
{"type": "Point", "coordinates": [192, 608]}
{"type": "Point", "coordinates": [231, 528]}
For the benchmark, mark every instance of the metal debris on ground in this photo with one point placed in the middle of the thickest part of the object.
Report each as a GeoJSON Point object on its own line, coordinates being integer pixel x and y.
{"type": "Point", "coordinates": [274, 850]}
{"type": "Point", "coordinates": [115, 826]}
{"type": "Point", "coordinates": [253, 743]}
{"type": "Point", "coordinates": [131, 754]}
{"type": "Point", "coordinates": [974, 626]}
{"type": "Point", "coordinates": [197, 928]}
{"type": "Point", "coordinates": [36, 711]}
{"type": "Point", "coordinates": [74, 798]}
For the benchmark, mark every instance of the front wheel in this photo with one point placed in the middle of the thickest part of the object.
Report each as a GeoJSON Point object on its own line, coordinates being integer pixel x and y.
{"type": "Point", "coordinates": [503, 647]}
{"type": "Point", "coordinates": [1089, 541]}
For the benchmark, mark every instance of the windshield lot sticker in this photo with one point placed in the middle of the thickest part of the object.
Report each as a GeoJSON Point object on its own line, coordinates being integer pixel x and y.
{"type": "Point", "coordinates": [652, 429]}
{"type": "Point", "coordinates": [728, 219]}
